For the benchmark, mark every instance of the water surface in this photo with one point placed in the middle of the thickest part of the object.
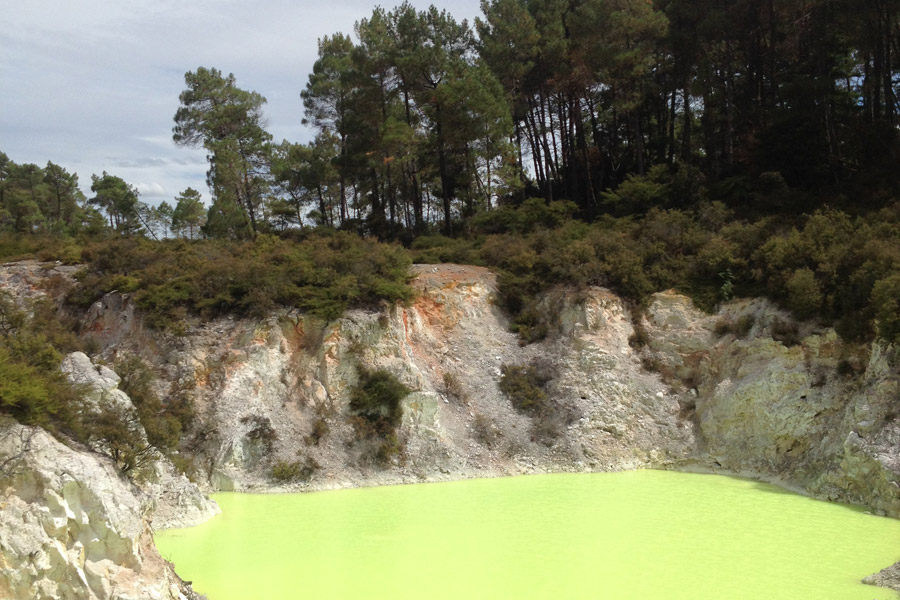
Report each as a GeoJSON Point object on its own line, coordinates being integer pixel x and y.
{"type": "Point", "coordinates": [632, 536]}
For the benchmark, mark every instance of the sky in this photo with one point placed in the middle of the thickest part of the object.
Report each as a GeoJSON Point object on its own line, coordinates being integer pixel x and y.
{"type": "Point", "coordinates": [93, 85]}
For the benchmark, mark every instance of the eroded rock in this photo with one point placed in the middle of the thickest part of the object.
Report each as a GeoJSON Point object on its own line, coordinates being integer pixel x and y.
{"type": "Point", "coordinates": [72, 527]}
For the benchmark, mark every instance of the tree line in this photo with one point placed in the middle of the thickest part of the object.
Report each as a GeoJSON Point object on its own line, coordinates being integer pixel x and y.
{"type": "Point", "coordinates": [35, 199]}
{"type": "Point", "coordinates": [422, 121]}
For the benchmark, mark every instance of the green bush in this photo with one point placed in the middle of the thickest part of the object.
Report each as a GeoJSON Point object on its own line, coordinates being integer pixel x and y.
{"type": "Point", "coordinates": [389, 450]}
{"type": "Point", "coordinates": [531, 215]}
{"type": "Point", "coordinates": [33, 389]}
{"type": "Point", "coordinates": [453, 387]}
{"type": "Point", "coordinates": [804, 294]}
{"type": "Point", "coordinates": [319, 430]}
{"type": "Point", "coordinates": [165, 422]}
{"type": "Point", "coordinates": [323, 276]}
{"type": "Point", "coordinates": [299, 470]}
{"type": "Point", "coordinates": [485, 431]}
{"type": "Point", "coordinates": [376, 399]}
{"type": "Point", "coordinates": [524, 386]}
{"type": "Point", "coordinates": [375, 402]}
{"type": "Point", "coordinates": [743, 325]}
{"type": "Point", "coordinates": [118, 433]}
{"type": "Point", "coordinates": [261, 432]}
{"type": "Point", "coordinates": [432, 249]}
{"type": "Point", "coordinates": [14, 246]}
{"type": "Point", "coordinates": [886, 304]}
{"type": "Point", "coordinates": [786, 332]}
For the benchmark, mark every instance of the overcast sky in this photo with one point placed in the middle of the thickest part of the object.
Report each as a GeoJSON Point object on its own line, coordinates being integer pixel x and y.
{"type": "Point", "coordinates": [93, 85]}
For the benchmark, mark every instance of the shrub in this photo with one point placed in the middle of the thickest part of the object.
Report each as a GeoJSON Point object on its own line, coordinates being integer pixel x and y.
{"type": "Point", "coordinates": [635, 194]}
{"type": "Point", "coordinates": [531, 215]}
{"type": "Point", "coordinates": [41, 247]}
{"type": "Point", "coordinates": [322, 276]}
{"type": "Point", "coordinates": [524, 386]}
{"type": "Point", "coordinates": [299, 470]}
{"type": "Point", "coordinates": [453, 387]}
{"type": "Point", "coordinates": [804, 294]}
{"type": "Point", "coordinates": [786, 332]}
{"type": "Point", "coordinates": [164, 422]}
{"type": "Point", "coordinates": [319, 430]}
{"type": "Point", "coordinates": [432, 249]}
{"type": "Point", "coordinates": [639, 337]}
{"type": "Point", "coordinates": [886, 304]}
{"type": "Point", "coordinates": [33, 390]}
{"type": "Point", "coordinates": [261, 432]}
{"type": "Point", "coordinates": [739, 328]}
{"type": "Point", "coordinates": [117, 432]}
{"type": "Point", "coordinates": [389, 450]}
{"type": "Point", "coordinates": [485, 431]}
{"type": "Point", "coordinates": [743, 325]}
{"type": "Point", "coordinates": [376, 399]}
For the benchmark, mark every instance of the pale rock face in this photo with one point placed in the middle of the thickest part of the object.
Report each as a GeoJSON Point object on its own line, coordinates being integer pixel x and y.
{"type": "Point", "coordinates": [261, 387]}
{"type": "Point", "coordinates": [748, 404]}
{"type": "Point", "coordinates": [101, 383]}
{"type": "Point", "coordinates": [787, 412]}
{"type": "Point", "coordinates": [72, 527]}
{"type": "Point", "coordinates": [176, 502]}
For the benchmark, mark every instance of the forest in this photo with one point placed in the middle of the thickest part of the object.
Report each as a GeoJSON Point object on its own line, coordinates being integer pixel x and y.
{"type": "Point", "coordinates": [727, 148]}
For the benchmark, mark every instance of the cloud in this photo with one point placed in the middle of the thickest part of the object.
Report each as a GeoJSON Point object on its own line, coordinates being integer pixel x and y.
{"type": "Point", "coordinates": [151, 190]}
{"type": "Point", "coordinates": [141, 163]}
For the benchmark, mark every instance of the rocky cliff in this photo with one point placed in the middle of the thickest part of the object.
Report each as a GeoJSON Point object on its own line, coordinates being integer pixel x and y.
{"type": "Point", "coordinates": [747, 390]}
{"type": "Point", "coordinates": [72, 527]}
{"type": "Point", "coordinates": [262, 387]}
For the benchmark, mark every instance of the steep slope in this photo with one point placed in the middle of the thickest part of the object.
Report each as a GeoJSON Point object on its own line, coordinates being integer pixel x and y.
{"type": "Point", "coordinates": [785, 401]}
{"type": "Point", "coordinates": [746, 390]}
{"type": "Point", "coordinates": [261, 387]}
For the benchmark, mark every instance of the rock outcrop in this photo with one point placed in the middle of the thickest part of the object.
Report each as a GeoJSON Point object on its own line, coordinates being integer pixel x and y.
{"type": "Point", "coordinates": [175, 501]}
{"type": "Point", "coordinates": [72, 527]}
{"type": "Point", "coordinates": [261, 387]}
{"type": "Point", "coordinates": [785, 401]}
{"type": "Point", "coordinates": [747, 390]}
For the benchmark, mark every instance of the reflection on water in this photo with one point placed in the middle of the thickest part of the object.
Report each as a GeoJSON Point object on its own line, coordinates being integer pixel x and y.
{"type": "Point", "coordinates": [637, 536]}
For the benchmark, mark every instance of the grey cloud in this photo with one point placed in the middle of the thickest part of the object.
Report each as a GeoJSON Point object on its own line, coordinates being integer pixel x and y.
{"type": "Point", "coordinates": [141, 163]}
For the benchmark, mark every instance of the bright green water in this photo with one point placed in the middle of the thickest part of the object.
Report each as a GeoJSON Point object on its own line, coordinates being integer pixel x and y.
{"type": "Point", "coordinates": [637, 536]}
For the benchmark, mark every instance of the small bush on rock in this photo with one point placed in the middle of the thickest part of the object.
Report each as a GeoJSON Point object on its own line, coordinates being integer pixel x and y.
{"type": "Point", "coordinates": [299, 470]}
{"type": "Point", "coordinates": [261, 432]}
{"type": "Point", "coordinates": [485, 431]}
{"type": "Point", "coordinates": [377, 412]}
{"type": "Point", "coordinates": [319, 430]}
{"type": "Point", "coordinates": [453, 387]}
{"type": "Point", "coordinates": [524, 386]}
{"type": "Point", "coordinates": [376, 398]}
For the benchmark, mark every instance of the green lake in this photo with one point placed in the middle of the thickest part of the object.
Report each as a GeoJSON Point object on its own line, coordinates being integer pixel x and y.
{"type": "Point", "coordinates": [632, 536]}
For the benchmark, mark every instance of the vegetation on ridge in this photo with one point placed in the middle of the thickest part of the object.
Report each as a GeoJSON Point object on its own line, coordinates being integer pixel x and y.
{"type": "Point", "coordinates": [323, 275]}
